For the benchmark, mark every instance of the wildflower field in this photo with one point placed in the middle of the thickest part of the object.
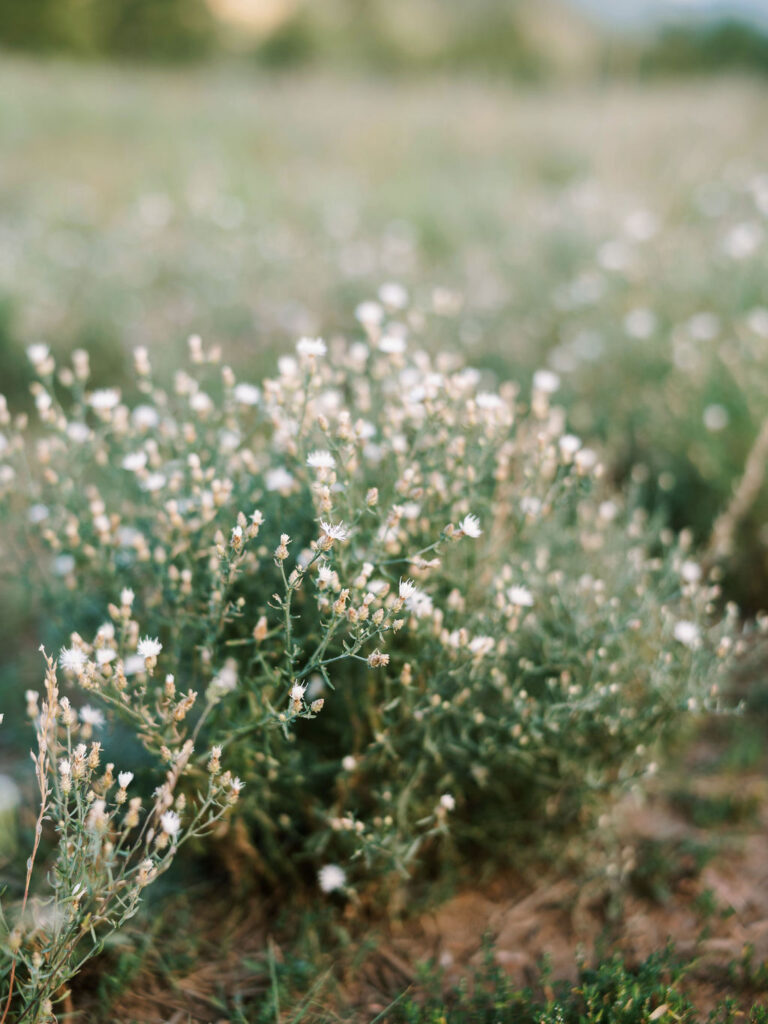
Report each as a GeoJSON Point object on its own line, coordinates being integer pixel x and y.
{"type": "Point", "coordinates": [384, 538]}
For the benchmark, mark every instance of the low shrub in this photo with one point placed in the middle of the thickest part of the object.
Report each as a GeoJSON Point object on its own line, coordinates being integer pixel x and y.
{"type": "Point", "coordinates": [401, 602]}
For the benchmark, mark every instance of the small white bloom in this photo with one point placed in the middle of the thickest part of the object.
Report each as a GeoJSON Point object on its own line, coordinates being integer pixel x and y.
{"type": "Point", "coordinates": [201, 402]}
{"type": "Point", "coordinates": [546, 381]}
{"type": "Point", "coordinates": [170, 823]}
{"type": "Point", "coordinates": [585, 459]}
{"type": "Point", "coordinates": [406, 589]}
{"type": "Point", "coordinates": [325, 574]}
{"type": "Point", "coordinates": [690, 571]}
{"type": "Point", "coordinates": [72, 659]}
{"type": "Point", "coordinates": [126, 597]}
{"type": "Point", "coordinates": [124, 779]}
{"type": "Point", "coordinates": [145, 417]}
{"type": "Point", "coordinates": [247, 394]}
{"type": "Point", "coordinates": [419, 603]}
{"type": "Point", "coordinates": [569, 444]}
{"type": "Point", "coordinates": [237, 785]}
{"type": "Point", "coordinates": [37, 354]}
{"type": "Point", "coordinates": [321, 459]}
{"type": "Point", "coordinates": [311, 347]}
{"type": "Point", "coordinates": [78, 432]}
{"type": "Point", "coordinates": [470, 526]}
{"type": "Point", "coordinates": [392, 344]}
{"type": "Point", "coordinates": [369, 314]}
{"type": "Point", "coordinates": [149, 647]}
{"type": "Point", "coordinates": [520, 597]}
{"type": "Point", "coordinates": [489, 400]}
{"type": "Point", "coordinates": [481, 645]}
{"type": "Point", "coordinates": [154, 482]}
{"type": "Point", "coordinates": [297, 693]}
{"type": "Point", "coordinates": [91, 716]}
{"type": "Point", "coordinates": [687, 633]}
{"type": "Point", "coordinates": [278, 479]}
{"type": "Point", "coordinates": [447, 802]}
{"type": "Point", "coordinates": [105, 654]}
{"type": "Point", "coordinates": [104, 399]}
{"type": "Point", "coordinates": [394, 295]}
{"type": "Point", "coordinates": [331, 877]}
{"type": "Point", "coordinates": [336, 531]}
{"type": "Point", "coordinates": [225, 681]}
{"type": "Point", "coordinates": [349, 763]}
{"type": "Point", "coordinates": [134, 461]}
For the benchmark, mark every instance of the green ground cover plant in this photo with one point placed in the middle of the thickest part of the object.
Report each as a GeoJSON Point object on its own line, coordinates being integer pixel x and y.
{"type": "Point", "coordinates": [391, 596]}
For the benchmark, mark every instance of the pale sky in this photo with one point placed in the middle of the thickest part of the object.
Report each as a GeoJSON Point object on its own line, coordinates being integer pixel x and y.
{"type": "Point", "coordinates": [640, 13]}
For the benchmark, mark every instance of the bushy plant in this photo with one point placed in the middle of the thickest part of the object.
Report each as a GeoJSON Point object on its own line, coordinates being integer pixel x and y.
{"type": "Point", "coordinates": [108, 849]}
{"type": "Point", "coordinates": [402, 601]}
{"type": "Point", "coordinates": [659, 338]}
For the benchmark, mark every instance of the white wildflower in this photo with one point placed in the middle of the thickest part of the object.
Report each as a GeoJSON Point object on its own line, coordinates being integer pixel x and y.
{"type": "Point", "coordinates": [297, 693]}
{"type": "Point", "coordinates": [134, 461]}
{"type": "Point", "coordinates": [37, 354]}
{"type": "Point", "coordinates": [687, 633]}
{"type": "Point", "coordinates": [419, 603]}
{"type": "Point", "coordinates": [278, 479]}
{"type": "Point", "coordinates": [331, 877]}
{"type": "Point", "coordinates": [334, 531]}
{"type": "Point", "coordinates": [91, 716]}
{"type": "Point", "coordinates": [470, 526]}
{"type": "Point", "coordinates": [170, 823]}
{"type": "Point", "coordinates": [520, 597]}
{"type": "Point", "coordinates": [247, 394]}
{"type": "Point", "coordinates": [124, 779]}
{"type": "Point", "coordinates": [311, 347]}
{"type": "Point", "coordinates": [104, 399]}
{"type": "Point", "coordinates": [394, 295]}
{"type": "Point", "coordinates": [149, 647]}
{"type": "Point", "coordinates": [72, 659]}
{"type": "Point", "coordinates": [546, 381]}
{"type": "Point", "coordinates": [321, 459]}
{"type": "Point", "coordinates": [690, 571]}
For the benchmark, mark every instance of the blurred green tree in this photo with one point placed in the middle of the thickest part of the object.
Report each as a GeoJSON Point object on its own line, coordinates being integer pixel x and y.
{"type": "Point", "coordinates": [151, 29]}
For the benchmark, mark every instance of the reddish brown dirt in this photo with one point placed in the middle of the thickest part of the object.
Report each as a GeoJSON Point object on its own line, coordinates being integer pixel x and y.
{"type": "Point", "coordinates": [710, 913]}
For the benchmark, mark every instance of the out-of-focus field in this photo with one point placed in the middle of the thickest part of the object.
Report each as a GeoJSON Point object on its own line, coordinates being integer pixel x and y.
{"type": "Point", "coordinates": [142, 206]}
{"type": "Point", "coordinates": [615, 233]}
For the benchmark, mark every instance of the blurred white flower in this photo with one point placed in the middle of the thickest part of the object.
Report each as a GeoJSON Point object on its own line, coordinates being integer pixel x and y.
{"type": "Point", "coordinates": [331, 877]}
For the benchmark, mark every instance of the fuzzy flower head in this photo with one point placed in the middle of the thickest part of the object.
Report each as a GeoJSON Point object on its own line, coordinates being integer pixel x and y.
{"type": "Point", "coordinates": [149, 647]}
{"type": "Point", "coordinates": [170, 823]}
{"type": "Point", "coordinates": [91, 716]}
{"type": "Point", "coordinates": [72, 659]}
{"type": "Point", "coordinates": [406, 589]}
{"type": "Point", "coordinates": [520, 597]}
{"type": "Point", "coordinates": [297, 693]}
{"type": "Point", "coordinates": [124, 779]}
{"type": "Point", "coordinates": [470, 526]}
{"type": "Point", "coordinates": [687, 633]}
{"type": "Point", "coordinates": [321, 459]}
{"type": "Point", "coordinates": [333, 531]}
{"type": "Point", "coordinates": [331, 877]}
{"type": "Point", "coordinates": [311, 347]}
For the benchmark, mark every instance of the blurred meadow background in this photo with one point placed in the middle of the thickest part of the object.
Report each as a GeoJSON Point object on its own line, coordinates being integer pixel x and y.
{"type": "Point", "coordinates": [578, 186]}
